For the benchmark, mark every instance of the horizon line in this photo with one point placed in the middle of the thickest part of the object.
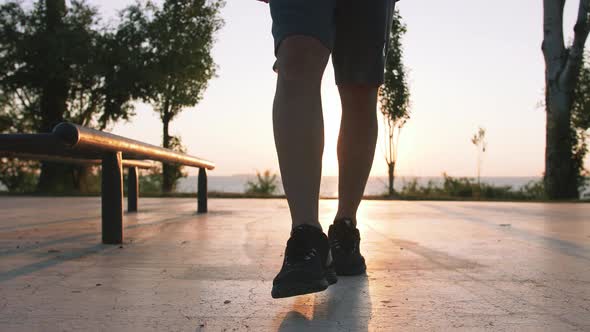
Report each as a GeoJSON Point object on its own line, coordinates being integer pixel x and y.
{"type": "Point", "coordinates": [211, 173]}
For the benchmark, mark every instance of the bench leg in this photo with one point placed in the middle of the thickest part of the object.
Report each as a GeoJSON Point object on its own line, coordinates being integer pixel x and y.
{"type": "Point", "coordinates": [132, 189]}
{"type": "Point", "coordinates": [112, 198]}
{"type": "Point", "coordinates": [202, 191]}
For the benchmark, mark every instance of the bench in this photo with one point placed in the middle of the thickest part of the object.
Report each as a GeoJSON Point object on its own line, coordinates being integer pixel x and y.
{"type": "Point", "coordinates": [72, 143]}
{"type": "Point", "coordinates": [132, 166]}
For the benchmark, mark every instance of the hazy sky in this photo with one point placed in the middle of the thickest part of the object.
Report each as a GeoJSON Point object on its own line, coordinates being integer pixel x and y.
{"type": "Point", "coordinates": [471, 63]}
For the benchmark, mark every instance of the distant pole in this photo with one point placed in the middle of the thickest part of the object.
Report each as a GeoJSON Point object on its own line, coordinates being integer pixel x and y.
{"type": "Point", "coordinates": [112, 198]}
{"type": "Point", "coordinates": [202, 191]}
{"type": "Point", "coordinates": [132, 189]}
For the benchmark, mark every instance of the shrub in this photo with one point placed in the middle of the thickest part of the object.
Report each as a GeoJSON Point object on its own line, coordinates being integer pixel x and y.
{"type": "Point", "coordinates": [469, 188]}
{"type": "Point", "coordinates": [265, 184]}
{"type": "Point", "coordinates": [533, 190]}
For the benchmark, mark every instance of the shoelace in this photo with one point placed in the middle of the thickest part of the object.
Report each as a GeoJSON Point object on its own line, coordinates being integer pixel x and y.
{"type": "Point", "coordinates": [344, 237]}
{"type": "Point", "coordinates": [298, 250]}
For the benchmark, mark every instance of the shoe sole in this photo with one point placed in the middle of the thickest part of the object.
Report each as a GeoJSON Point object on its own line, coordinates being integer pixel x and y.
{"type": "Point", "coordinates": [288, 289]}
{"type": "Point", "coordinates": [294, 288]}
{"type": "Point", "coordinates": [331, 275]}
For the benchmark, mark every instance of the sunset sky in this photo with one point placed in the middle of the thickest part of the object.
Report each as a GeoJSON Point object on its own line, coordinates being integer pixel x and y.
{"type": "Point", "coordinates": [470, 63]}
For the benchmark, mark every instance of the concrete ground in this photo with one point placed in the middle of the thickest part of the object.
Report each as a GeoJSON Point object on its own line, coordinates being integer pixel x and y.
{"type": "Point", "coordinates": [431, 266]}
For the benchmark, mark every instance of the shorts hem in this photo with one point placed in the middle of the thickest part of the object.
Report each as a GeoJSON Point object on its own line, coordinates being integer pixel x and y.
{"type": "Point", "coordinates": [324, 41]}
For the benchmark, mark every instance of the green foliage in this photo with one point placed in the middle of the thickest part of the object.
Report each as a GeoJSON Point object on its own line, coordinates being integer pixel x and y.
{"type": "Point", "coordinates": [479, 140]}
{"type": "Point", "coordinates": [179, 39]}
{"type": "Point", "coordinates": [57, 64]}
{"type": "Point", "coordinates": [159, 55]}
{"type": "Point", "coordinates": [151, 183]}
{"type": "Point", "coordinates": [533, 190]}
{"type": "Point", "coordinates": [394, 94]}
{"type": "Point", "coordinates": [78, 51]}
{"type": "Point", "coordinates": [580, 120]}
{"type": "Point", "coordinates": [413, 189]}
{"type": "Point", "coordinates": [265, 184]}
{"type": "Point", "coordinates": [19, 101]}
{"type": "Point", "coordinates": [458, 187]}
{"type": "Point", "coordinates": [466, 188]}
{"type": "Point", "coordinates": [18, 175]}
{"type": "Point", "coordinates": [173, 44]}
{"type": "Point", "coordinates": [172, 172]}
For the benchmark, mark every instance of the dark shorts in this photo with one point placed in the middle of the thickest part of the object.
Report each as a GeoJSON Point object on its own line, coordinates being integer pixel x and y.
{"type": "Point", "coordinates": [355, 31]}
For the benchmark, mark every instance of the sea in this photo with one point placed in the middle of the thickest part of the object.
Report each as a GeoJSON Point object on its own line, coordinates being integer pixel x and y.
{"type": "Point", "coordinates": [329, 186]}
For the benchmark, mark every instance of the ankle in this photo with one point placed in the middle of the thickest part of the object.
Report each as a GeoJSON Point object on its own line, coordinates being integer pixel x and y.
{"type": "Point", "coordinates": [343, 217]}
{"type": "Point", "coordinates": [315, 224]}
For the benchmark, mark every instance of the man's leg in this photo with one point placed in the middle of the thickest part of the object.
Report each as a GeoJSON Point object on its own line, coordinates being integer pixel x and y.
{"type": "Point", "coordinates": [359, 56]}
{"type": "Point", "coordinates": [356, 145]}
{"type": "Point", "coordinates": [356, 149]}
{"type": "Point", "coordinates": [359, 52]}
{"type": "Point", "coordinates": [298, 124]}
{"type": "Point", "coordinates": [303, 33]}
{"type": "Point", "coordinates": [299, 139]}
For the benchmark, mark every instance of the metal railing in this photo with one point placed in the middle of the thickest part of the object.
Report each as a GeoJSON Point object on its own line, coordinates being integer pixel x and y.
{"type": "Point", "coordinates": [70, 143]}
{"type": "Point", "coordinates": [71, 160]}
{"type": "Point", "coordinates": [88, 140]}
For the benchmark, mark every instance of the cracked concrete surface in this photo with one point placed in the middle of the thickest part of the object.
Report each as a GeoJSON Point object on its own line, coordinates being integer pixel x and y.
{"type": "Point", "coordinates": [431, 266]}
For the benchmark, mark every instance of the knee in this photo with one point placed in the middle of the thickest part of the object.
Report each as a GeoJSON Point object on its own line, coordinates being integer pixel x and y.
{"type": "Point", "coordinates": [358, 97]}
{"type": "Point", "coordinates": [356, 91]}
{"type": "Point", "coordinates": [302, 59]}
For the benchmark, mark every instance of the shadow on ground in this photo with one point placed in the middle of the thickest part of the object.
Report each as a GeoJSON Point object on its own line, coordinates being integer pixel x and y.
{"type": "Point", "coordinates": [345, 305]}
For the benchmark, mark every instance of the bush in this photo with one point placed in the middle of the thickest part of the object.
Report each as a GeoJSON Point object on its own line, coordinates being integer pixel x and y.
{"type": "Point", "coordinates": [458, 187]}
{"type": "Point", "coordinates": [150, 181]}
{"type": "Point", "coordinates": [468, 188]}
{"type": "Point", "coordinates": [533, 190]}
{"type": "Point", "coordinates": [18, 176]}
{"type": "Point", "coordinates": [265, 184]}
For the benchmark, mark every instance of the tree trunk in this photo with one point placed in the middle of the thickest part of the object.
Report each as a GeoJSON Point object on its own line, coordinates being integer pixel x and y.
{"type": "Point", "coordinates": [55, 90]}
{"type": "Point", "coordinates": [82, 178]}
{"type": "Point", "coordinates": [391, 169]}
{"type": "Point", "coordinates": [560, 171]}
{"type": "Point", "coordinates": [167, 169]}
{"type": "Point", "coordinates": [478, 168]}
{"type": "Point", "coordinates": [54, 176]}
{"type": "Point", "coordinates": [562, 69]}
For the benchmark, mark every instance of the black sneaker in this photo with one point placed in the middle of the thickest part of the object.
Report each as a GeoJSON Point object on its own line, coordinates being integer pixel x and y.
{"type": "Point", "coordinates": [307, 265]}
{"type": "Point", "coordinates": [344, 243]}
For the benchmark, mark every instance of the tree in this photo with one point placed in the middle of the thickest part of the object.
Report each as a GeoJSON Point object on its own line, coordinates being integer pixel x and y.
{"type": "Point", "coordinates": [57, 64]}
{"type": "Point", "coordinates": [581, 121]}
{"type": "Point", "coordinates": [394, 96]}
{"type": "Point", "coordinates": [178, 38]}
{"type": "Point", "coordinates": [50, 77]}
{"type": "Point", "coordinates": [173, 171]}
{"type": "Point", "coordinates": [15, 174]}
{"type": "Point", "coordinates": [562, 69]}
{"type": "Point", "coordinates": [479, 140]}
